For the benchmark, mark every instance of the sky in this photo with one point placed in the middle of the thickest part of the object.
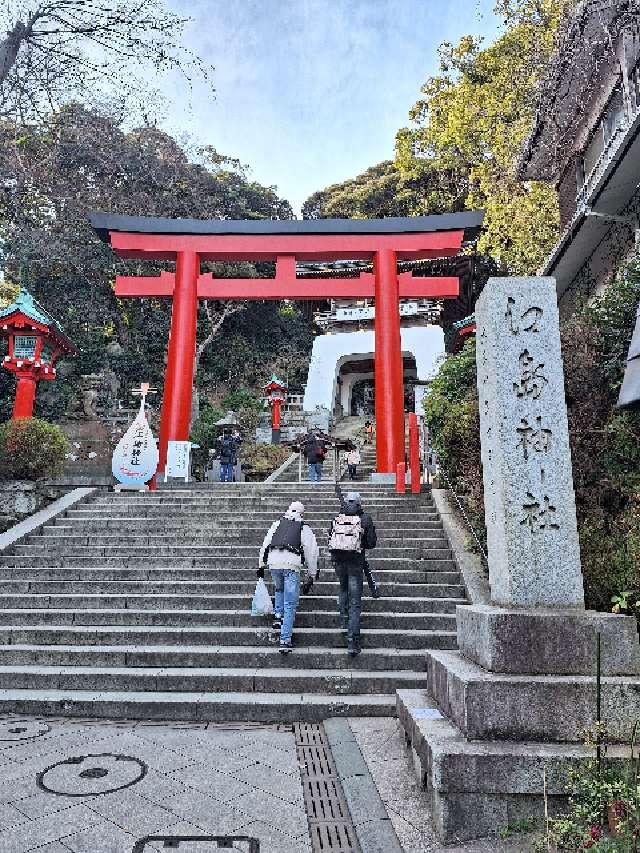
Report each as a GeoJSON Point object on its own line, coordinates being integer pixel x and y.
{"type": "Point", "coordinates": [311, 92]}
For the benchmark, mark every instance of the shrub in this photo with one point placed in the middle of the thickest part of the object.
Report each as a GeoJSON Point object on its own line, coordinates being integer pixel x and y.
{"type": "Point", "coordinates": [31, 449]}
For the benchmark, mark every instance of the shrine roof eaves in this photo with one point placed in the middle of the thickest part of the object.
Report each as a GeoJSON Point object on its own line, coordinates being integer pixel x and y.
{"type": "Point", "coordinates": [468, 221]}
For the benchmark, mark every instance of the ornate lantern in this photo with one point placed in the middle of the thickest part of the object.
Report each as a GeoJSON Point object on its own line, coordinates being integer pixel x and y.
{"type": "Point", "coordinates": [276, 394]}
{"type": "Point", "coordinates": [35, 341]}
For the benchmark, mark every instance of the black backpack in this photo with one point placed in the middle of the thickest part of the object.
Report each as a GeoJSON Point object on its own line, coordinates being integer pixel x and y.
{"type": "Point", "coordinates": [288, 537]}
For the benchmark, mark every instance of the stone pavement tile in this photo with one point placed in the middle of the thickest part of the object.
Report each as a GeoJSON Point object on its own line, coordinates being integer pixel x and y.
{"type": "Point", "coordinates": [274, 841]}
{"type": "Point", "coordinates": [130, 812]}
{"type": "Point", "coordinates": [53, 847]}
{"type": "Point", "coordinates": [282, 785]}
{"type": "Point", "coordinates": [49, 828]}
{"type": "Point", "coordinates": [42, 803]}
{"type": "Point", "coordinates": [210, 815]}
{"type": "Point", "coordinates": [272, 810]}
{"type": "Point", "coordinates": [279, 759]}
{"type": "Point", "coordinates": [104, 837]}
{"type": "Point", "coordinates": [10, 816]}
{"type": "Point", "coordinates": [231, 740]}
{"type": "Point", "coordinates": [14, 789]}
{"type": "Point", "coordinates": [221, 759]}
{"type": "Point", "coordinates": [220, 786]}
{"type": "Point", "coordinates": [157, 787]}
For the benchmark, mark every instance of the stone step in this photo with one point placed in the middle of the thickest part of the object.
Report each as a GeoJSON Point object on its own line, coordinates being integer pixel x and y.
{"type": "Point", "coordinates": [220, 635]}
{"type": "Point", "coordinates": [156, 603]}
{"type": "Point", "coordinates": [216, 588]}
{"type": "Point", "coordinates": [223, 707]}
{"type": "Point", "coordinates": [430, 561]}
{"type": "Point", "coordinates": [230, 573]}
{"type": "Point", "coordinates": [53, 615]}
{"type": "Point", "coordinates": [209, 680]}
{"type": "Point", "coordinates": [208, 538]}
{"type": "Point", "coordinates": [432, 548]}
{"type": "Point", "coordinates": [185, 526]}
{"type": "Point", "coordinates": [227, 511]}
{"type": "Point", "coordinates": [261, 657]}
{"type": "Point", "coordinates": [274, 503]}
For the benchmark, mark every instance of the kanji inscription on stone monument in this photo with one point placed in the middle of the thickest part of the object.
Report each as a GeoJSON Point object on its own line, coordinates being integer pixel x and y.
{"type": "Point", "coordinates": [534, 557]}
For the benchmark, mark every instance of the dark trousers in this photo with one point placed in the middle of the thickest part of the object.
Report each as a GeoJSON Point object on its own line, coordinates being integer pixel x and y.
{"type": "Point", "coordinates": [352, 472]}
{"type": "Point", "coordinates": [350, 578]}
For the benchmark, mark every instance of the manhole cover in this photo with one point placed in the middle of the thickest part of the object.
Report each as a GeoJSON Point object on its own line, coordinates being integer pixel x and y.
{"type": "Point", "coordinates": [22, 729]}
{"type": "Point", "coordinates": [197, 843]}
{"type": "Point", "coordinates": [84, 775]}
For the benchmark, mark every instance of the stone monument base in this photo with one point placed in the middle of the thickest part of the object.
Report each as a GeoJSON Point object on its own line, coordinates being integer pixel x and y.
{"type": "Point", "coordinates": [513, 702]}
{"type": "Point", "coordinates": [561, 642]}
{"type": "Point", "coordinates": [477, 787]}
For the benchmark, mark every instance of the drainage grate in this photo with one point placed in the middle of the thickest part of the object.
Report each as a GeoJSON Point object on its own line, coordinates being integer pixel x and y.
{"type": "Point", "coordinates": [330, 825]}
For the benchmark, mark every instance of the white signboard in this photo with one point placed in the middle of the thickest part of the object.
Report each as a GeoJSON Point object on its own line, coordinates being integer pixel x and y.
{"type": "Point", "coordinates": [178, 460]}
{"type": "Point", "coordinates": [420, 392]}
{"type": "Point", "coordinates": [135, 458]}
{"type": "Point", "coordinates": [407, 309]}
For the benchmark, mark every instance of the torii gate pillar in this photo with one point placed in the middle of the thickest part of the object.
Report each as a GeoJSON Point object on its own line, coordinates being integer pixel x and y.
{"type": "Point", "coordinates": [389, 379]}
{"type": "Point", "coordinates": [175, 420]}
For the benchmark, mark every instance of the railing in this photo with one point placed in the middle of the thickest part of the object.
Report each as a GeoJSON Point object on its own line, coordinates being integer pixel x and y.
{"type": "Point", "coordinates": [464, 514]}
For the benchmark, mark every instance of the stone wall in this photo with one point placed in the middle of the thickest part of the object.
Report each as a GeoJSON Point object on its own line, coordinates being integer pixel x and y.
{"type": "Point", "coordinates": [21, 498]}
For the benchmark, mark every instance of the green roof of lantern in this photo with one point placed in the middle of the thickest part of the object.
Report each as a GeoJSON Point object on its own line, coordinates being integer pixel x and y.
{"type": "Point", "coordinates": [27, 305]}
{"type": "Point", "coordinates": [466, 321]}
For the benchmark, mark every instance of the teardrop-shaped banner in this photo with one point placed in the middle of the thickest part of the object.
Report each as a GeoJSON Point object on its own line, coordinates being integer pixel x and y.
{"type": "Point", "coordinates": [135, 458]}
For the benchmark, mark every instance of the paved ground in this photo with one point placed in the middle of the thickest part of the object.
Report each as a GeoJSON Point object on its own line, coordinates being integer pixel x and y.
{"type": "Point", "coordinates": [185, 779]}
{"type": "Point", "coordinates": [197, 780]}
{"type": "Point", "coordinates": [381, 742]}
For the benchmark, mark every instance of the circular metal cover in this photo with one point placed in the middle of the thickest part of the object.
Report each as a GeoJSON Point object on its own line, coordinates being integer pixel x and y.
{"type": "Point", "coordinates": [86, 775]}
{"type": "Point", "coordinates": [11, 730]}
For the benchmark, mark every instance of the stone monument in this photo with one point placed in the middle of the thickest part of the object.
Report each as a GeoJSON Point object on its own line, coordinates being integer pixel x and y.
{"type": "Point", "coordinates": [513, 702]}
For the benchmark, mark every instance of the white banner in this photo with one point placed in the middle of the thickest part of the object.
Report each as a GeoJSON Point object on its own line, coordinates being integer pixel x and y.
{"type": "Point", "coordinates": [135, 458]}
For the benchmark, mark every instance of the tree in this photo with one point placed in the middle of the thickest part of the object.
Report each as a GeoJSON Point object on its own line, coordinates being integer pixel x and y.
{"type": "Point", "coordinates": [75, 161]}
{"type": "Point", "coordinates": [58, 50]}
{"type": "Point", "coordinates": [472, 120]}
{"type": "Point", "coordinates": [383, 190]}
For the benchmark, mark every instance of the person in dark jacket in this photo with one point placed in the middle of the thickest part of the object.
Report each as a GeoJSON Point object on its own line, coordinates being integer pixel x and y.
{"type": "Point", "coordinates": [227, 448]}
{"type": "Point", "coordinates": [349, 568]}
{"type": "Point", "coordinates": [315, 450]}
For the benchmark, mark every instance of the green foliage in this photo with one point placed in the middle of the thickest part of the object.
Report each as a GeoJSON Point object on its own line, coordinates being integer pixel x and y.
{"type": "Point", "coordinates": [242, 399]}
{"type": "Point", "coordinates": [452, 416]}
{"type": "Point", "coordinates": [383, 190]}
{"type": "Point", "coordinates": [204, 431]}
{"type": "Point", "coordinates": [471, 122]}
{"type": "Point", "coordinates": [31, 449]}
{"type": "Point", "coordinates": [525, 824]}
{"type": "Point", "coordinates": [595, 792]}
{"type": "Point", "coordinates": [82, 161]}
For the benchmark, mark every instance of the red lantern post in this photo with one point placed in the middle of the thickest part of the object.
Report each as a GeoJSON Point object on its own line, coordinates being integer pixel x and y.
{"type": "Point", "coordinates": [35, 341]}
{"type": "Point", "coordinates": [276, 393]}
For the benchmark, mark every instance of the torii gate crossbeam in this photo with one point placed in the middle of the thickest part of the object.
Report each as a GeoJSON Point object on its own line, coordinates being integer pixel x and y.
{"type": "Point", "coordinates": [383, 241]}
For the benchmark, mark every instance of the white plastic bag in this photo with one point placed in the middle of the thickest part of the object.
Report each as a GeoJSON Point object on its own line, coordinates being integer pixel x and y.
{"type": "Point", "coordinates": [261, 604]}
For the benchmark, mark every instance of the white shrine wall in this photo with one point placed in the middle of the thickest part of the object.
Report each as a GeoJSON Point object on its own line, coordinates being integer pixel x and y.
{"type": "Point", "coordinates": [330, 352]}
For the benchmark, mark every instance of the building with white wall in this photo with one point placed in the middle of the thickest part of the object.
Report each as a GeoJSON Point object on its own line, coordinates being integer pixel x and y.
{"type": "Point", "coordinates": [339, 361]}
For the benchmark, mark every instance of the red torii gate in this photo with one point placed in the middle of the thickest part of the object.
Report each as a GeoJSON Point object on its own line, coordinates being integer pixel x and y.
{"type": "Point", "coordinates": [187, 242]}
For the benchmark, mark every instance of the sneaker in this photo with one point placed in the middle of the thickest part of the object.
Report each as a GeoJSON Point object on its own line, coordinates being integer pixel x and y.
{"type": "Point", "coordinates": [375, 592]}
{"type": "Point", "coordinates": [277, 623]}
{"type": "Point", "coordinates": [285, 648]}
{"type": "Point", "coordinates": [352, 650]}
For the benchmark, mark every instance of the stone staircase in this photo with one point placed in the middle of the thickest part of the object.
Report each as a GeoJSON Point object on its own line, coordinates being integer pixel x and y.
{"type": "Point", "coordinates": [138, 605]}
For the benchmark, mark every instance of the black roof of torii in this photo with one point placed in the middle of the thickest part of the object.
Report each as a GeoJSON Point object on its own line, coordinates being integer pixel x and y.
{"type": "Point", "coordinates": [468, 221]}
